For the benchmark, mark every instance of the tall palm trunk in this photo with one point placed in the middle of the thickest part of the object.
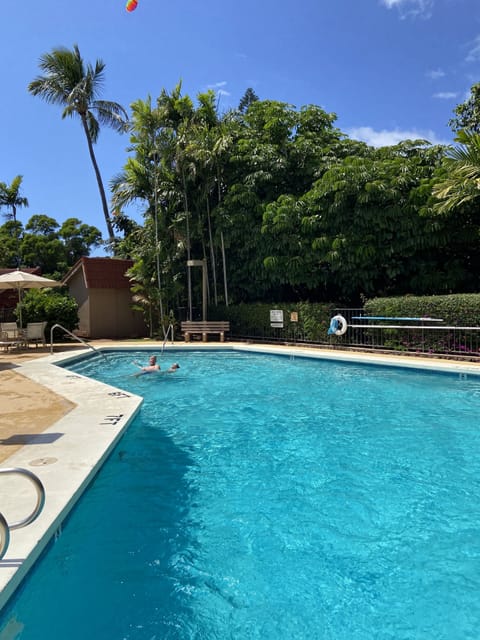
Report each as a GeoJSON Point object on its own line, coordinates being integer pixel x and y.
{"type": "Point", "coordinates": [189, 273]}
{"type": "Point", "coordinates": [101, 188]}
{"type": "Point", "coordinates": [157, 259]}
{"type": "Point", "coordinates": [212, 253]}
{"type": "Point", "coordinates": [224, 259]}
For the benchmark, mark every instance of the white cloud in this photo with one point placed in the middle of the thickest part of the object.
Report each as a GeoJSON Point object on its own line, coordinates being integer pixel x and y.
{"type": "Point", "coordinates": [217, 85]}
{"type": "Point", "coordinates": [474, 53]}
{"type": "Point", "coordinates": [435, 74]}
{"type": "Point", "coordinates": [445, 95]}
{"type": "Point", "coordinates": [412, 8]}
{"type": "Point", "coordinates": [386, 138]}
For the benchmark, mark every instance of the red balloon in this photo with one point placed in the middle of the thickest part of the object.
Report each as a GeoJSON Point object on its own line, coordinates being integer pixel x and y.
{"type": "Point", "coordinates": [131, 5]}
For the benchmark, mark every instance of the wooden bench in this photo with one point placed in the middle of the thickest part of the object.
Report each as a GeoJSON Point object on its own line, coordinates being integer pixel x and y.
{"type": "Point", "coordinates": [204, 327]}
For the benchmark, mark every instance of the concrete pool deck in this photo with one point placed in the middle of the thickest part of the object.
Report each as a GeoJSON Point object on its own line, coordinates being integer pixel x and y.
{"type": "Point", "coordinates": [62, 426]}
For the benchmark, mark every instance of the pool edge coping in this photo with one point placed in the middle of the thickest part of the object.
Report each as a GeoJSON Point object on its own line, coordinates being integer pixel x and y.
{"type": "Point", "coordinates": [101, 415]}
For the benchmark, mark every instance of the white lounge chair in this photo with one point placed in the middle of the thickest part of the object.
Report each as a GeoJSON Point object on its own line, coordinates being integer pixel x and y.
{"type": "Point", "coordinates": [9, 330]}
{"type": "Point", "coordinates": [11, 336]}
{"type": "Point", "coordinates": [35, 332]}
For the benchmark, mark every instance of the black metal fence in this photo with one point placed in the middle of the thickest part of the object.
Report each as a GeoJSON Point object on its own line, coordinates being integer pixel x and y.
{"type": "Point", "coordinates": [410, 336]}
{"type": "Point", "coordinates": [418, 335]}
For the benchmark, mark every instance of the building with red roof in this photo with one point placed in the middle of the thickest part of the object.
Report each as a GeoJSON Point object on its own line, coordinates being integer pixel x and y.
{"type": "Point", "coordinates": [102, 292]}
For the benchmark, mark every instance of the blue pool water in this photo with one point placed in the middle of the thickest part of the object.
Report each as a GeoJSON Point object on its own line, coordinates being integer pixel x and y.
{"type": "Point", "coordinates": [265, 497]}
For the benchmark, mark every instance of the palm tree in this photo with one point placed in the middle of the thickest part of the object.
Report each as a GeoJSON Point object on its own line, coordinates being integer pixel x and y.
{"type": "Point", "coordinates": [10, 197]}
{"type": "Point", "coordinates": [463, 183]}
{"type": "Point", "coordinates": [71, 83]}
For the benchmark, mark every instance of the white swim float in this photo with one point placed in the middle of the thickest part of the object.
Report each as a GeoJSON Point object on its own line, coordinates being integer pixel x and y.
{"type": "Point", "coordinates": [338, 325]}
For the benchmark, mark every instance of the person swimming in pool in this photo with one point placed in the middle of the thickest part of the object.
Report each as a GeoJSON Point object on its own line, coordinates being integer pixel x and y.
{"type": "Point", "coordinates": [152, 367]}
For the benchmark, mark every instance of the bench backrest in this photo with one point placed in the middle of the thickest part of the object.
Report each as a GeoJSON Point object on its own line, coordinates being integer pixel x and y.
{"type": "Point", "coordinates": [205, 325]}
{"type": "Point", "coordinates": [36, 330]}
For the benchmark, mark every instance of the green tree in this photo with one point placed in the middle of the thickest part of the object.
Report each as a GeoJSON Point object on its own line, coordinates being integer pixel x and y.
{"type": "Point", "coordinates": [41, 246]}
{"type": "Point", "coordinates": [10, 197]}
{"type": "Point", "coordinates": [173, 172]}
{"type": "Point", "coordinates": [359, 229]}
{"type": "Point", "coordinates": [44, 243]}
{"type": "Point", "coordinates": [276, 151]}
{"type": "Point", "coordinates": [463, 182]}
{"type": "Point", "coordinates": [467, 114]}
{"type": "Point", "coordinates": [78, 239]}
{"type": "Point", "coordinates": [11, 234]}
{"type": "Point", "coordinates": [247, 99]}
{"type": "Point", "coordinates": [456, 201]}
{"type": "Point", "coordinates": [143, 179]}
{"type": "Point", "coordinates": [69, 82]}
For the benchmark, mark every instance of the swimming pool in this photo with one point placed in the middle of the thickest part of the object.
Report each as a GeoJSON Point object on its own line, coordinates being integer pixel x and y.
{"type": "Point", "coordinates": [265, 497]}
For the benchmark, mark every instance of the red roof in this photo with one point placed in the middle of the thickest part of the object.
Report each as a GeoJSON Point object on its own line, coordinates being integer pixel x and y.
{"type": "Point", "coordinates": [102, 273]}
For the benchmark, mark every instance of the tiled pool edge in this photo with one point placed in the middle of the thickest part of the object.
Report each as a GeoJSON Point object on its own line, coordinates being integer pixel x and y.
{"type": "Point", "coordinates": [100, 417]}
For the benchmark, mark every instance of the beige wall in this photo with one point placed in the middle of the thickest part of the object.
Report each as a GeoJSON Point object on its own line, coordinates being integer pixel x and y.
{"type": "Point", "coordinates": [77, 290]}
{"type": "Point", "coordinates": [111, 315]}
{"type": "Point", "coordinates": [105, 313]}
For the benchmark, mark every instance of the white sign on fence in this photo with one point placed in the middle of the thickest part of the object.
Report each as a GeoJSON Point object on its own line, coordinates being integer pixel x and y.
{"type": "Point", "coordinates": [276, 318]}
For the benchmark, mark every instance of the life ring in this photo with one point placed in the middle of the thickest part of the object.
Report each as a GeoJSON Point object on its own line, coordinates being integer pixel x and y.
{"type": "Point", "coordinates": [338, 325]}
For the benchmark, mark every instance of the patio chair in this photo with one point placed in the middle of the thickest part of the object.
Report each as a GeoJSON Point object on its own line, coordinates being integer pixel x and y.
{"type": "Point", "coordinates": [11, 336]}
{"type": "Point", "coordinates": [35, 332]}
{"type": "Point", "coordinates": [9, 330]}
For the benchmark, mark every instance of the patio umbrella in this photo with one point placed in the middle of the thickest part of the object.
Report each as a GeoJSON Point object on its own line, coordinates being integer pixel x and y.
{"type": "Point", "coordinates": [21, 280]}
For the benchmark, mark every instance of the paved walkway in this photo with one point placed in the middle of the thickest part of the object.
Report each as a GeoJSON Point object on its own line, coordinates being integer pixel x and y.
{"type": "Point", "coordinates": [26, 408]}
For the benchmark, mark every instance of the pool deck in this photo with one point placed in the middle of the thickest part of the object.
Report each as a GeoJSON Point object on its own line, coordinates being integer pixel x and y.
{"type": "Point", "coordinates": [62, 426]}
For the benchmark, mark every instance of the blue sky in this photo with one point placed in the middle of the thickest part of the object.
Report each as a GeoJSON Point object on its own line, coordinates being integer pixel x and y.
{"type": "Point", "coordinates": [389, 69]}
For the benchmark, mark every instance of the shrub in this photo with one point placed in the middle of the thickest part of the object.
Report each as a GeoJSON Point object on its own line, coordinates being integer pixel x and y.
{"type": "Point", "coordinates": [253, 320]}
{"type": "Point", "coordinates": [53, 306]}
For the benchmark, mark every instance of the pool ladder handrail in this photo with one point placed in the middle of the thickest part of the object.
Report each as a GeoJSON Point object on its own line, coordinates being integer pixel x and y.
{"type": "Point", "coordinates": [5, 528]}
{"type": "Point", "coordinates": [169, 330]}
{"type": "Point", "coordinates": [76, 338]}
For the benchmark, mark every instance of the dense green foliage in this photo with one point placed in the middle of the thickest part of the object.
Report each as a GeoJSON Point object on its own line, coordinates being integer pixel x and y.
{"type": "Point", "coordinates": [49, 305]}
{"type": "Point", "coordinates": [44, 243]}
{"type": "Point", "coordinates": [304, 321]}
{"type": "Point", "coordinates": [274, 200]}
{"type": "Point", "coordinates": [462, 310]}
{"type": "Point", "coordinates": [282, 206]}
{"type": "Point", "coordinates": [455, 310]}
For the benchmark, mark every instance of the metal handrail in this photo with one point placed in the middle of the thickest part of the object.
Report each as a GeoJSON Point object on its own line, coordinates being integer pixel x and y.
{"type": "Point", "coordinates": [4, 536]}
{"type": "Point", "coordinates": [5, 528]}
{"type": "Point", "coordinates": [169, 329]}
{"type": "Point", "coordinates": [76, 338]}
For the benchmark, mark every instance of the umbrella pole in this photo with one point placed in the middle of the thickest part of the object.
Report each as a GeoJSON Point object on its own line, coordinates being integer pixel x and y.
{"type": "Point", "coordinates": [20, 306]}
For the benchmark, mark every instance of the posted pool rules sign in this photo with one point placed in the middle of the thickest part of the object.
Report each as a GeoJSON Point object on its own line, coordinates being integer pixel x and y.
{"type": "Point", "coordinates": [276, 318]}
